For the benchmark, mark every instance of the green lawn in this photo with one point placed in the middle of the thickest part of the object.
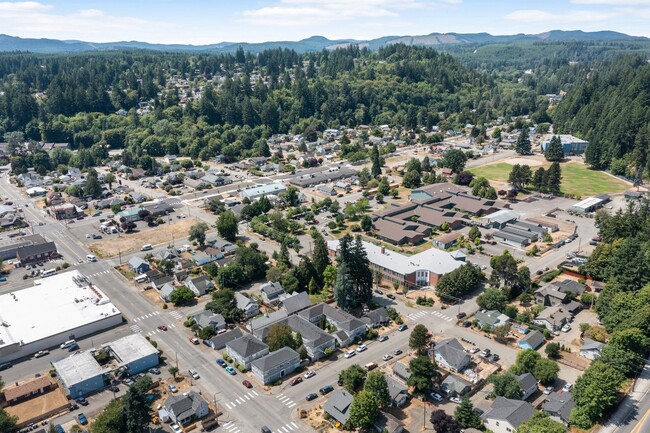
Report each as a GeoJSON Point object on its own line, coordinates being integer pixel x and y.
{"type": "Point", "coordinates": [577, 179]}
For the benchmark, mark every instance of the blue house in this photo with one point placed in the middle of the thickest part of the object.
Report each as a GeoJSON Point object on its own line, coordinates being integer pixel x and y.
{"type": "Point", "coordinates": [532, 341]}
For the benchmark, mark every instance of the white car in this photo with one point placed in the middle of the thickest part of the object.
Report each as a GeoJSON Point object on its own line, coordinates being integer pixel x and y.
{"type": "Point", "coordinates": [309, 374]}
{"type": "Point", "coordinates": [194, 374]}
{"type": "Point", "coordinates": [362, 348]}
{"type": "Point", "coordinates": [454, 399]}
{"type": "Point", "coordinates": [548, 390]}
{"type": "Point", "coordinates": [173, 388]}
{"type": "Point", "coordinates": [566, 328]}
{"type": "Point", "coordinates": [176, 428]}
{"type": "Point", "coordinates": [567, 387]}
{"type": "Point", "coordinates": [350, 353]}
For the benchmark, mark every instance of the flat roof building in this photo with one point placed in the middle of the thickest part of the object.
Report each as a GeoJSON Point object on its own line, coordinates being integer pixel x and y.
{"type": "Point", "coordinates": [259, 191]}
{"type": "Point", "coordinates": [570, 145]}
{"type": "Point", "coordinates": [58, 308]}
{"type": "Point", "coordinates": [588, 205]}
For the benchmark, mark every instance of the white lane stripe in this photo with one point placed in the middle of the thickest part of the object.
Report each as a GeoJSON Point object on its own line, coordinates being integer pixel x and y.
{"type": "Point", "coordinates": [291, 405]}
{"type": "Point", "coordinates": [289, 426]}
{"type": "Point", "coordinates": [294, 424]}
{"type": "Point", "coordinates": [252, 396]}
{"type": "Point", "coordinates": [255, 393]}
{"type": "Point", "coordinates": [247, 397]}
{"type": "Point", "coordinates": [233, 403]}
{"type": "Point", "coordinates": [285, 429]}
{"type": "Point", "coordinates": [228, 423]}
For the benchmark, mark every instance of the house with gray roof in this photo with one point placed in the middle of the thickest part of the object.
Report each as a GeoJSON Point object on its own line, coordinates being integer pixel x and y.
{"type": "Point", "coordinates": [276, 365]}
{"type": "Point", "coordinates": [138, 265]}
{"type": "Point", "coordinates": [532, 340]}
{"type": "Point", "coordinates": [199, 285]}
{"type": "Point", "coordinates": [167, 254]}
{"type": "Point", "coordinates": [271, 291]}
{"type": "Point", "coordinates": [246, 349]}
{"type": "Point", "coordinates": [570, 287]}
{"type": "Point", "coordinates": [451, 354]}
{"type": "Point", "coordinates": [399, 393]}
{"type": "Point", "coordinates": [550, 295]}
{"type": "Point", "coordinates": [348, 327]}
{"type": "Point", "coordinates": [492, 318]}
{"type": "Point", "coordinates": [506, 415]}
{"type": "Point", "coordinates": [528, 385]}
{"type": "Point", "coordinates": [159, 282]}
{"type": "Point", "coordinates": [207, 318]}
{"type": "Point", "coordinates": [553, 318]}
{"type": "Point", "coordinates": [266, 320]}
{"type": "Point", "coordinates": [247, 305]}
{"type": "Point", "coordinates": [591, 349]}
{"type": "Point", "coordinates": [219, 341]}
{"type": "Point", "coordinates": [387, 423]}
{"type": "Point", "coordinates": [315, 340]}
{"type": "Point", "coordinates": [455, 386]}
{"type": "Point", "coordinates": [185, 408]}
{"type": "Point", "coordinates": [376, 318]}
{"type": "Point", "coordinates": [558, 406]}
{"type": "Point", "coordinates": [338, 405]}
{"type": "Point", "coordinates": [401, 371]}
{"type": "Point", "coordinates": [166, 291]}
{"type": "Point", "coordinates": [298, 301]}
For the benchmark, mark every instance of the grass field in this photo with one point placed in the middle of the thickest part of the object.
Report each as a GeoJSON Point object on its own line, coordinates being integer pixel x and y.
{"type": "Point", "coordinates": [577, 179]}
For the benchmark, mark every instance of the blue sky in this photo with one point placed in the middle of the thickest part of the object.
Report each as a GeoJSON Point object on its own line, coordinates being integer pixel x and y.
{"type": "Point", "coordinates": [205, 21]}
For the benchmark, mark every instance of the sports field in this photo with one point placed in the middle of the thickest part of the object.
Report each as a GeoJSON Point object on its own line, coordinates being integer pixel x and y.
{"type": "Point", "coordinates": [577, 179]}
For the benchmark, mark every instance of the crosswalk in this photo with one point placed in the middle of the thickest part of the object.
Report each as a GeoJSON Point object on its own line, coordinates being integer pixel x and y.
{"type": "Point", "coordinates": [136, 329]}
{"type": "Point", "coordinates": [287, 428]}
{"type": "Point", "coordinates": [176, 315]}
{"type": "Point", "coordinates": [241, 400]}
{"type": "Point", "coordinates": [419, 314]}
{"type": "Point", "coordinates": [146, 316]}
{"type": "Point", "coordinates": [231, 427]}
{"type": "Point", "coordinates": [138, 324]}
{"type": "Point", "coordinates": [98, 273]}
{"type": "Point", "coordinates": [286, 401]}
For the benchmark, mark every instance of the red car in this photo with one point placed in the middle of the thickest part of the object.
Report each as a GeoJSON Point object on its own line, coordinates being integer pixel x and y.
{"type": "Point", "coordinates": [162, 327]}
{"type": "Point", "coordinates": [247, 384]}
{"type": "Point", "coordinates": [296, 380]}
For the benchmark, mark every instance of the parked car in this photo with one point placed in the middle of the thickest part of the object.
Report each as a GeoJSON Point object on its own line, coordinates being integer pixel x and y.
{"type": "Point", "coordinates": [309, 374]}
{"type": "Point", "coordinates": [435, 396]}
{"type": "Point", "coordinates": [82, 419]}
{"type": "Point", "coordinates": [221, 363]}
{"type": "Point", "coordinates": [154, 370]}
{"type": "Point", "coordinates": [311, 396]}
{"type": "Point", "coordinates": [231, 370]}
{"type": "Point", "coordinates": [247, 384]}
{"type": "Point", "coordinates": [493, 358]}
{"type": "Point", "coordinates": [383, 338]}
{"type": "Point", "coordinates": [566, 328]}
{"type": "Point", "coordinates": [362, 348]}
{"type": "Point", "coordinates": [473, 350]}
{"type": "Point", "coordinates": [194, 340]}
{"type": "Point", "coordinates": [454, 399]}
{"type": "Point", "coordinates": [461, 315]}
{"type": "Point", "coordinates": [59, 429]}
{"type": "Point", "coordinates": [485, 353]}
{"type": "Point", "coordinates": [41, 353]}
{"type": "Point", "coordinates": [387, 357]}
{"type": "Point", "coordinates": [349, 354]}
{"type": "Point", "coordinates": [548, 390]}
{"type": "Point", "coordinates": [176, 428]}
{"type": "Point", "coordinates": [397, 352]}
{"type": "Point", "coordinates": [467, 324]}
{"type": "Point", "coordinates": [194, 374]}
{"type": "Point", "coordinates": [326, 389]}
{"type": "Point", "coordinates": [295, 381]}
{"type": "Point", "coordinates": [567, 387]}
{"type": "Point", "coordinates": [390, 296]}
{"type": "Point", "coordinates": [173, 388]}
{"type": "Point", "coordinates": [82, 401]}
{"type": "Point", "coordinates": [403, 327]}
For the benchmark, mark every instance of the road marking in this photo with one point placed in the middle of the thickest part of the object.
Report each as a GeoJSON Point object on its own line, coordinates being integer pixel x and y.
{"type": "Point", "coordinates": [136, 328]}
{"type": "Point", "coordinates": [285, 429]}
{"type": "Point", "coordinates": [247, 397]}
{"type": "Point", "coordinates": [294, 424]}
{"type": "Point", "coordinates": [228, 406]}
{"type": "Point", "coordinates": [240, 402]}
{"type": "Point", "coordinates": [233, 403]}
{"type": "Point", "coordinates": [278, 396]}
{"type": "Point", "coordinates": [255, 393]}
{"type": "Point", "coordinates": [291, 405]}
{"type": "Point", "coordinates": [172, 326]}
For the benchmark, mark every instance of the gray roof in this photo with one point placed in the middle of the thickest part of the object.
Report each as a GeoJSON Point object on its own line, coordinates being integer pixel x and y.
{"type": "Point", "coordinates": [297, 302]}
{"type": "Point", "coordinates": [243, 301]}
{"type": "Point", "coordinates": [135, 262]}
{"type": "Point", "coordinates": [166, 290]}
{"type": "Point", "coordinates": [32, 250]}
{"type": "Point", "coordinates": [246, 346]}
{"type": "Point", "coordinates": [219, 341]}
{"type": "Point", "coordinates": [272, 289]}
{"type": "Point", "coordinates": [185, 405]}
{"type": "Point", "coordinates": [534, 338]}
{"type": "Point", "coordinates": [516, 412]}
{"type": "Point", "coordinates": [395, 388]}
{"type": "Point", "coordinates": [312, 335]}
{"type": "Point", "coordinates": [267, 319]}
{"type": "Point", "coordinates": [555, 314]}
{"type": "Point", "coordinates": [273, 359]}
{"type": "Point", "coordinates": [570, 286]}
{"type": "Point", "coordinates": [590, 344]}
{"type": "Point", "coordinates": [526, 381]}
{"type": "Point", "coordinates": [455, 385]}
{"type": "Point", "coordinates": [453, 352]}
{"type": "Point", "coordinates": [338, 405]}
{"type": "Point", "coordinates": [491, 317]}
{"type": "Point", "coordinates": [345, 321]}
{"type": "Point", "coordinates": [560, 404]}
{"type": "Point", "coordinates": [551, 291]}
{"type": "Point", "coordinates": [206, 318]}
{"type": "Point", "coordinates": [378, 315]}
{"type": "Point", "coordinates": [401, 370]}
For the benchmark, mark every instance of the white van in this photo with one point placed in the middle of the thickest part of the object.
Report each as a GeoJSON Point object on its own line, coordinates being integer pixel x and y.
{"type": "Point", "coordinates": [48, 273]}
{"type": "Point", "coordinates": [68, 344]}
{"type": "Point", "coordinates": [146, 247]}
{"type": "Point", "coordinates": [91, 258]}
{"type": "Point", "coordinates": [140, 278]}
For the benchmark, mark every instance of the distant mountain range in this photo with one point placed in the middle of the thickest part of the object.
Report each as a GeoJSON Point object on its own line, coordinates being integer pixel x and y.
{"type": "Point", "coordinates": [314, 43]}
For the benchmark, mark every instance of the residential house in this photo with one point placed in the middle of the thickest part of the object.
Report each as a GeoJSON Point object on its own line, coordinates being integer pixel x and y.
{"type": "Point", "coordinates": [30, 254]}
{"type": "Point", "coordinates": [455, 386]}
{"type": "Point", "coordinates": [138, 265]}
{"type": "Point", "coordinates": [219, 341]}
{"type": "Point", "coordinates": [185, 408]}
{"type": "Point", "coordinates": [553, 318]}
{"type": "Point", "coordinates": [387, 423]}
{"type": "Point", "coordinates": [203, 258]}
{"type": "Point", "coordinates": [570, 287]}
{"type": "Point", "coordinates": [153, 274]}
{"type": "Point", "coordinates": [532, 340]}
{"type": "Point", "coordinates": [271, 291]}
{"type": "Point", "coordinates": [549, 296]}
{"type": "Point", "coordinates": [296, 302]}
{"type": "Point", "coordinates": [165, 291]}
{"type": "Point", "coordinates": [167, 254]}
{"type": "Point", "coordinates": [247, 305]}
{"type": "Point", "coordinates": [506, 415]}
{"type": "Point", "coordinates": [591, 349]}
{"type": "Point", "coordinates": [276, 365]}
{"type": "Point", "coordinates": [338, 405]}
{"type": "Point", "coordinates": [199, 285]}
{"type": "Point", "coordinates": [401, 371]}
{"type": "Point", "coordinates": [207, 318]}
{"type": "Point", "coordinates": [25, 390]}
{"type": "Point", "coordinates": [558, 406]}
{"type": "Point", "coordinates": [266, 319]}
{"type": "Point", "coordinates": [246, 349]}
{"type": "Point", "coordinates": [349, 328]}
{"type": "Point", "coordinates": [376, 318]}
{"type": "Point", "coordinates": [316, 341]}
{"type": "Point", "coordinates": [64, 211]}
{"type": "Point", "coordinates": [491, 318]}
{"type": "Point", "coordinates": [451, 354]}
{"type": "Point", "coordinates": [528, 385]}
{"type": "Point", "coordinates": [446, 240]}
{"type": "Point", "coordinates": [399, 394]}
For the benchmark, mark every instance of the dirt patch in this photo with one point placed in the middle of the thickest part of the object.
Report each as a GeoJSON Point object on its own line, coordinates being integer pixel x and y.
{"type": "Point", "coordinates": [39, 407]}
{"type": "Point", "coordinates": [532, 162]}
{"type": "Point", "coordinates": [132, 242]}
{"type": "Point", "coordinates": [315, 419]}
{"type": "Point", "coordinates": [154, 296]}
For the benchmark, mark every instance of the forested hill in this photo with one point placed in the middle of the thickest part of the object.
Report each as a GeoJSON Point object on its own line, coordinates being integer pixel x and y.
{"type": "Point", "coordinates": [611, 109]}
{"type": "Point", "coordinates": [202, 105]}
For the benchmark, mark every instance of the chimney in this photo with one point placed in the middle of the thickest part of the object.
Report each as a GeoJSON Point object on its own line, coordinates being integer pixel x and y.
{"type": "Point", "coordinates": [383, 250]}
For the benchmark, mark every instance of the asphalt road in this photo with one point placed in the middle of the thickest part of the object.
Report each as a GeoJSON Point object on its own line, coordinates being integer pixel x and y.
{"type": "Point", "coordinates": [633, 414]}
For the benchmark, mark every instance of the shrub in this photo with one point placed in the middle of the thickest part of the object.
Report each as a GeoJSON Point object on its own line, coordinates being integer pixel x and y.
{"type": "Point", "coordinates": [165, 306]}
{"type": "Point", "coordinates": [65, 265]}
{"type": "Point", "coordinates": [241, 368]}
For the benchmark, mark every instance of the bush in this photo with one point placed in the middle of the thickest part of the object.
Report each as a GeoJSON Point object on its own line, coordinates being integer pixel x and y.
{"type": "Point", "coordinates": [165, 306]}
{"type": "Point", "coordinates": [372, 334]}
{"type": "Point", "coordinates": [277, 383]}
{"type": "Point", "coordinates": [65, 265]}
{"type": "Point", "coordinates": [241, 368]}
{"type": "Point", "coordinates": [425, 301]}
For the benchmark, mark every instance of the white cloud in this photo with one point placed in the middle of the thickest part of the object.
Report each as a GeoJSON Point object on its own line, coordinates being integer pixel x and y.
{"type": "Point", "coordinates": [612, 2]}
{"type": "Point", "coordinates": [310, 12]}
{"type": "Point", "coordinates": [539, 16]}
{"type": "Point", "coordinates": [35, 19]}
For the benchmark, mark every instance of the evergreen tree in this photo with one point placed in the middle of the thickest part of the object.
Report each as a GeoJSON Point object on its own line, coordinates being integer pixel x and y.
{"type": "Point", "coordinates": [539, 179]}
{"type": "Point", "coordinates": [320, 258]}
{"type": "Point", "coordinates": [376, 162]}
{"type": "Point", "coordinates": [522, 146]}
{"type": "Point", "coordinates": [92, 188]}
{"type": "Point", "coordinates": [419, 339]}
{"type": "Point", "coordinates": [227, 226]}
{"type": "Point", "coordinates": [136, 406]}
{"type": "Point", "coordinates": [553, 178]}
{"type": "Point", "coordinates": [412, 179]}
{"type": "Point", "coordinates": [554, 151]}
{"type": "Point", "coordinates": [466, 416]}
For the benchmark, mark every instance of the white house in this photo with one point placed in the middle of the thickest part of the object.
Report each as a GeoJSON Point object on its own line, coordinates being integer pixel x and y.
{"type": "Point", "coordinates": [506, 415]}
